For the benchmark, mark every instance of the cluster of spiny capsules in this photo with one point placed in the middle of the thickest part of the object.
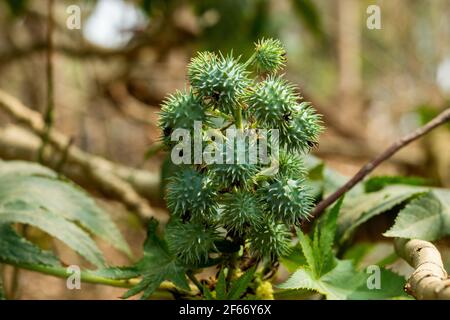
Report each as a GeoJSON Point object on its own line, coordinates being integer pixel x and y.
{"type": "Point", "coordinates": [214, 202]}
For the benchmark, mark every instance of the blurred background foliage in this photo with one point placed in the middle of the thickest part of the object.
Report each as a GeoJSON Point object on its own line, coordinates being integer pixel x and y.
{"type": "Point", "coordinates": [111, 75]}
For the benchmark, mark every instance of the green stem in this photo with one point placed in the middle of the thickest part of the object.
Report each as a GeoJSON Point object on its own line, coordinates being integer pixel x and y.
{"type": "Point", "coordinates": [250, 60]}
{"type": "Point", "coordinates": [162, 292]}
{"type": "Point", "coordinates": [85, 276]}
{"type": "Point", "coordinates": [195, 281]}
{"type": "Point", "coordinates": [232, 267]}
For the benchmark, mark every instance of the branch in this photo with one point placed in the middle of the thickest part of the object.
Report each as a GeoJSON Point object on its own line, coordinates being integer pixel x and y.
{"type": "Point", "coordinates": [113, 179]}
{"type": "Point", "coordinates": [442, 118]}
{"type": "Point", "coordinates": [429, 281]}
{"type": "Point", "coordinates": [17, 143]}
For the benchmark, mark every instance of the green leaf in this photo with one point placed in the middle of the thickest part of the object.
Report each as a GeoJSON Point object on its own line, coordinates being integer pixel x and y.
{"type": "Point", "coordinates": [207, 293]}
{"type": "Point", "coordinates": [156, 266]}
{"type": "Point", "coordinates": [426, 217]}
{"type": "Point", "coordinates": [336, 279]}
{"type": "Point", "coordinates": [319, 252]}
{"type": "Point", "coordinates": [344, 282]}
{"type": "Point", "coordinates": [377, 183]}
{"type": "Point", "coordinates": [327, 232]}
{"type": "Point", "coordinates": [53, 224]}
{"type": "Point", "coordinates": [358, 210]}
{"type": "Point", "coordinates": [322, 178]}
{"type": "Point", "coordinates": [221, 286]}
{"type": "Point", "coordinates": [16, 250]}
{"type": "Point", "coordinates": [307, 249]}
{"type": "Point", "coordinates": [60, 197]}
{"type": "Point", "coordinates": [240, 285]}
{"type": "Point", "coordinates": [358, 252]}
{"type": "Point", "coordinates": [294, 259]}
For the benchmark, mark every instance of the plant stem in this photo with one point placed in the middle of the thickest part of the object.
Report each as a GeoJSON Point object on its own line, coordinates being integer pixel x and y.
{"type": "Point", "coordinates": [195, 281]}
{"type": "Point", "coordinates": [250, 60]}
{"type": "Point", "coordinates": [238, 118]}
{"type": "Point", "coordinates": [89, 277]}
{"type": "Point", "coordinates": [85, 276]}
{"type": "Point", "coordinates": [440, 119]}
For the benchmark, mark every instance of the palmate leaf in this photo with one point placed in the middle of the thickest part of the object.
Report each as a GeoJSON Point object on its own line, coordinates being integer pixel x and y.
{"type": "Point", "coordinates": [55, 225]}
{"type": "Point", "coordinates": [426, 217]}
{"type": "Point", "coordinates": [358, 210]}
{"type": "Point", "coordinates": [345, 283]}
{"type": "Point", "coordinates": [377, 183]}
{"type": "Point", "coordinates": [324, 238]}
{"type": "Point", "coordinates": [156, 266]}
{"type": "Point", "coordinates": [324, 181]}
{"type": "Point", "coordinates": [240, 285]}
{"type": "Point", "coordinates": [423, 212]}
{"type": "Point", "coordinates": [319, 252]}
{"type": "Point", "coordinates": [336, 279]}
{"type": "Point", "coordinates": [32, 194]}
{"type": "Point", "coordinates": [14, 250]}
{"type": "Point", "coordinates": [65, 199]}
{"type": "Point", "coordinates": [221, 286]}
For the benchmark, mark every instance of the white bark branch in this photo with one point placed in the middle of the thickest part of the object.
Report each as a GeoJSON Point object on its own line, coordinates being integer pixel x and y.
{"type": "Point", "coordinates": [120, 182]}
{"type": "Point", "coordinates": [429, 281]}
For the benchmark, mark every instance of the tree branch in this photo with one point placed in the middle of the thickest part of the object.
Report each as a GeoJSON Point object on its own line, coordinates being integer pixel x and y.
{"type": "Point", "coordinates": [442, 118]}
{"type": "Point", "coordinates": [162, 292]}
{"type": "Point", "coordinates": [429, 281]}
{"type": "Point", "coordinates": [113, 179]}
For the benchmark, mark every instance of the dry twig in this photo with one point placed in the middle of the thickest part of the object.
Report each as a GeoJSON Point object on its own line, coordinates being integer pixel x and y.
{"type": "Point", "coordinates": [442, 118]}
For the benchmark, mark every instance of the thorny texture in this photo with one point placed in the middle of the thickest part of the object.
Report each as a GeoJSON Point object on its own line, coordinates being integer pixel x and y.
{"type": "Point", "coordinates": [238, 203]}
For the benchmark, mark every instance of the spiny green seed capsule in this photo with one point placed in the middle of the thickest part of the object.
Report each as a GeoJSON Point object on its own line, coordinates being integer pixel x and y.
{"type": "Point", "coordinates": [191, 242]}
{"type": "Point", "coordinates": [240, 210]}
{"type": "Point", "coordinates": [270, 240]}
{"type": "Point", "coordinates": [234, 172]}
{"type": "Point", "coordinates": [303, 132]}
{"type": "Point", "coordinates": [249, 202]}
{"type": "Point", "coordinates": [270, 55]}
{"type": "Point", "coordinates": [181, 110]}
{"type": "Point", "coordinates": [222, 80]}
{"type": "Point", "coordinates": [191, 194]}
{"type": "Point", "coordinates": [290, 166]}
{"type": "Point", "coordinates": [233, 175]}
{"type": "Point", "coordinates": [272, 102]}
{"type": "Point", "coordinates": [287, 200]}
